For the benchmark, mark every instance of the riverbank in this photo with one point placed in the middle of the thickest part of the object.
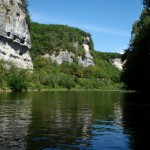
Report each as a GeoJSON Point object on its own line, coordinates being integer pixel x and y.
{"type": "Point", "coordinates": [61, 90]}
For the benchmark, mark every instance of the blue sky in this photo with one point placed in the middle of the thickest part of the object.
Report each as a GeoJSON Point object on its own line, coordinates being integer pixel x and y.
{"type": "Point", "coordinates": [108, 21]}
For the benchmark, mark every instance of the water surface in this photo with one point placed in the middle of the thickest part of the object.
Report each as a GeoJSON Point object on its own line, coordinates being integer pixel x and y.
{"type": "Point", "coordinates": [74, 120]}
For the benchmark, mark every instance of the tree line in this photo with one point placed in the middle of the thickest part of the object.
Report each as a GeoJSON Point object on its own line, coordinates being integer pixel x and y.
{"type": "Point", "coordinates": [136, 71]}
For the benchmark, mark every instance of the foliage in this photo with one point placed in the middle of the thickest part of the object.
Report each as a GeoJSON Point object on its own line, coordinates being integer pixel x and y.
{"type": "Point", "coordinates": [52, 76]}
{"type": "Point", "coordinates": [102, 60]}
{"type": "Point", "coordinates": [53, 38]}
{"type": "Point", "coordinates": [13, 77]}
{"type": "Point", "coordinates": [146, 4]}
{"type": "Point", "coordinates": [103, 75]}
{"type": "Point", "coordinates": [41, 63]}
{"type": "Point", "coordinates": [136, 70]}
{"type": "Point", "coordinates": [107, 56]}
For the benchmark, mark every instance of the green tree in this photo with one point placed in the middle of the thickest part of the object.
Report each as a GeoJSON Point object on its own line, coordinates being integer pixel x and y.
{"type": "Point", "coordinates": [136, 71]}
{"type": "Point", "coordinates": [146, 4]}
{"type": "Point", "coordinates": [41, 63]}
{"type": "Point", "coordinates": [17, 79]}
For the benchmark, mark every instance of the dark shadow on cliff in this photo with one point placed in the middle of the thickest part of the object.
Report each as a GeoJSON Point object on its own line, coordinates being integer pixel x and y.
{"type": "Point", "coordinates": [14, 45]}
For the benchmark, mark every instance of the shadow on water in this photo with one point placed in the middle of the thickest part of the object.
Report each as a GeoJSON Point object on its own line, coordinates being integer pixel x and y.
{"type": "Point", "coordinates": [136, 120]}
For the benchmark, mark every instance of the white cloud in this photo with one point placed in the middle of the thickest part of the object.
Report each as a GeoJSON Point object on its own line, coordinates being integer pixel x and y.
{"type": "Point", "coordinates": [105, 30]}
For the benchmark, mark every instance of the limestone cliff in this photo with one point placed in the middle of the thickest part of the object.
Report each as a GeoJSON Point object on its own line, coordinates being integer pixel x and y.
{"type": "Point", "coordinates": [14, 34]}
{"type": "Point", "coordinates": [89, 60]}
{"type": "Point", "coordinates": [66, 56]}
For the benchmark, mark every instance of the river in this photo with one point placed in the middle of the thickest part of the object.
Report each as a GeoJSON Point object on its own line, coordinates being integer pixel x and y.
{"type": "Point", "coordinates": [74, 121]}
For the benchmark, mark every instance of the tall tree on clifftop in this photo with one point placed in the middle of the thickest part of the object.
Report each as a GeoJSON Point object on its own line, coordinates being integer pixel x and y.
{"type": "Point", "coordinates": [136, 71]}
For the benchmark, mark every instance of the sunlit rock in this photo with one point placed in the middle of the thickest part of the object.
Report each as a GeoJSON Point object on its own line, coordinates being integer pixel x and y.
{"type": "Point", "coordinates": [14, 34]}
{"type": "Point", "coordinates": [69, 57]}
{"type": "Point", "coordinates": [118, 63]}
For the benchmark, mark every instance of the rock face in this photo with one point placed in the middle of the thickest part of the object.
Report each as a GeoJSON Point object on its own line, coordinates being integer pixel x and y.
{"type": "Point", "coordinates": [89, 60]}
{"type": "Point", "coordinates": [14, 34]}
{"type": "Point", "coordinates": [118, 63]}
{"type": "Point", "coordinates": [63, 56]}
{"type": "Point", "coordinates": [66, 56]}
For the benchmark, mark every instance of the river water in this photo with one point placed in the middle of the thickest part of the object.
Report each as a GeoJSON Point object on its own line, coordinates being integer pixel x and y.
{"type": "Point", "coordinates": [74, 121]}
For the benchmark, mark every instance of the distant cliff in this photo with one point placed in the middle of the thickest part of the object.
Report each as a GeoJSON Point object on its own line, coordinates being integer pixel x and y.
{"type": "Point", "coordinates": [14, 34]}
{"type": "Point", "coordinates": [66, 56]}
{"type": "Point", "coordinates": [61, 43]}
{"type": "Point", "coordinates": [118, 63]}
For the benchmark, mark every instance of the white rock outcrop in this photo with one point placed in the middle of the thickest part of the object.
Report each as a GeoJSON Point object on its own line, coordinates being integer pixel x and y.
{"type": "Point", "coordinates": [14, 34]}
{"type": "Point", "coordinates": [66, 56]}
{"type": "Point", "coordinates": [118, 63]}
{"type": "Point", "coordinates": [89, 60]}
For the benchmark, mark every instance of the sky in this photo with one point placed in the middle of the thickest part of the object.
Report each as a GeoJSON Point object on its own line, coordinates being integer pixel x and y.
{"type": "Point", "coordinates": [108, 21]}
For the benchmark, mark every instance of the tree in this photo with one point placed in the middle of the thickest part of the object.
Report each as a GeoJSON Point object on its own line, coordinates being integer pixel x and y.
{"type": "Point", "coordinates": [17, 79]}
{"type": "Point", "coordinates": [41, 63]}
{"type": "Point", "coordinates": [136, 71]}
{"type": "Point", "coordinates": [146, 4]}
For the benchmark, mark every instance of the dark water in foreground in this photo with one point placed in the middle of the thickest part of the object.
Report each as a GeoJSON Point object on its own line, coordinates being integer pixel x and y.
{"type": "Point", "coordinates": [74, 121]}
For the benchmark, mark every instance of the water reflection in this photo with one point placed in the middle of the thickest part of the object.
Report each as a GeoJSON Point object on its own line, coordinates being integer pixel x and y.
{"type": "Point", "coordinates": [73, 120]}
{"type": "Point", "coordinates": [76, 120]}
{"type": "Point", "coordinates": [15, 114]}
{"type": "Point", "coordinates": [61, 120]}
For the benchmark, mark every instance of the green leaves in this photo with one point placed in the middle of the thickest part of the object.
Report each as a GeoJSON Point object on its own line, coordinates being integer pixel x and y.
{"type": "Point", "coordinates": [17, 83]}
{"type": "Point", "coordinates": [136, 72]}
{"type": "Point", "coordinates": [41, 63]}
{"type": "Point", "coordinates": [146, 4]}
{"type": "Point", "coordinates": [55, 38]}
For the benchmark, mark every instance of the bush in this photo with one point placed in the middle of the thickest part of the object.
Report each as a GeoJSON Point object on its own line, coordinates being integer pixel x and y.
{"type": "Point", "coordinates": [17, 84]}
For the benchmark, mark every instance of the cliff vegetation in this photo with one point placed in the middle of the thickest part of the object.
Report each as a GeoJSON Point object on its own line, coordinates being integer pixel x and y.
{"type": "Point", "coordinates": [54, 38]}
{"type": "Point", "coordinates": [47, 75]}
